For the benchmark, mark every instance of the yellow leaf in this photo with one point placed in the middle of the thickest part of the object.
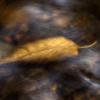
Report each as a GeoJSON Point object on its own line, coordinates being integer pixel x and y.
{"type": "Point", "coordinates": [49, 49]}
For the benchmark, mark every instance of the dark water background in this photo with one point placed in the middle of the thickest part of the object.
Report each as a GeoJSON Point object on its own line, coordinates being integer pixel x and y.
{"type": "Point", "coordinates": [24, 21]}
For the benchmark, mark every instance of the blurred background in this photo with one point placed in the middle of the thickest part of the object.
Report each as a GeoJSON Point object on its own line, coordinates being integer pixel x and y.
{"type": "Point", "coordinates": [24, 21]}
